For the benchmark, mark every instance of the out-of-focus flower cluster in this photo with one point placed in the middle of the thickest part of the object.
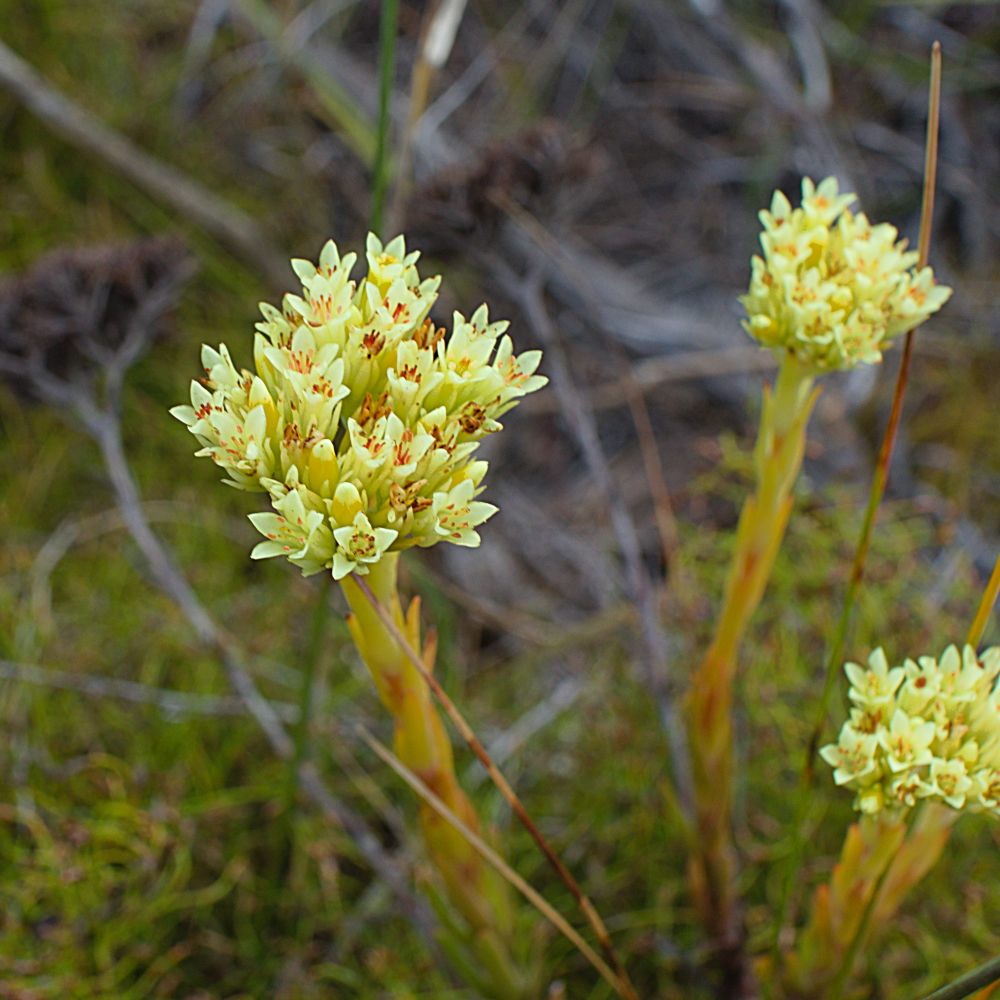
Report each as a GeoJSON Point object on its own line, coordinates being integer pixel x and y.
{"type": "Point", "coordinates": [362, 417]}
{"type": "Point", "coordinates": [929, 729]}
{"type": "Point", "coordinates": [831, 288]}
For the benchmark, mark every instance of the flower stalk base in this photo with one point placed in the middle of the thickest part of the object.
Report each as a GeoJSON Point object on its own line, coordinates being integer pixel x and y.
{"type": "Point", "coordinates": [878, 855]}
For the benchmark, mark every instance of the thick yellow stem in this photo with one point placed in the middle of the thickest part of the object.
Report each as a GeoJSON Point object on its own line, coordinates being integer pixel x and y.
{"type": "Point", "coordinates": [777, 458]}
{"type": "Point", "coordinates": [422, 744]}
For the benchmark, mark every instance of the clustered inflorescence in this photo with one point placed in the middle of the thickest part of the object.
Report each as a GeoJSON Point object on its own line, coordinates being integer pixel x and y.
{"type": "Point", "coordinates": [929, 729]}
{"type": "Point", "coordinates": [831, 288]}
{"type": "Point", "coordinates": [362, 417]}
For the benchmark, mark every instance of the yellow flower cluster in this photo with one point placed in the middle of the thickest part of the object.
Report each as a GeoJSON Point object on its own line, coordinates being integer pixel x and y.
{"type": "Point", "coordinates": [831, 288]}
{"type": "Point", "coordinates": [927, 729]}
{"type": "Point", "coordinates": [362, 416]}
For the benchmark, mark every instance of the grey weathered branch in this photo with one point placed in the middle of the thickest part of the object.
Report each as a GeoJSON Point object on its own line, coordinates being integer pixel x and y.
{"type": "Point", "coordinates": [169, 702]}
{"type": "Point", "coordinates": [229, 225]}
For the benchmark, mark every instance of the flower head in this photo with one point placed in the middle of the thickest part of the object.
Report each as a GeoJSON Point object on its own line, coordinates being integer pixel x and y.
{"type": "Point", "coordinates": [830, 287]}
{"type": "Point", "coordinates": [927, 729]}
{"type": "Point", "coordinates": [361, 417]}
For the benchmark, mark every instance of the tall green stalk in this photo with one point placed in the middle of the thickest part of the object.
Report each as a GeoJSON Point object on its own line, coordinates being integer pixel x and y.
{"type": "Point", "coordinates": [307, 682]}
{"type": "Point", "coordinates": [985, 975]}
{"type": "Point", "coordinates": [386, 67]}
{"type": "Point", "coordinates": [300, 736]}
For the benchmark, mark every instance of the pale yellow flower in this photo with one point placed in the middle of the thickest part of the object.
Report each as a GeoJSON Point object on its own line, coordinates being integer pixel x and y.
{"type": "Point", "coordinates": [934, 735]}
{"type": "Point", "coordinates": [362, 417]}
{"type": "Point", "coordinates": [831, 288]}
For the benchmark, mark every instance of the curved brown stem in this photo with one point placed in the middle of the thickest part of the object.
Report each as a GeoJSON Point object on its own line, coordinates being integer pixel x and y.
{"type": "Point", "coordinates": [626, 989]}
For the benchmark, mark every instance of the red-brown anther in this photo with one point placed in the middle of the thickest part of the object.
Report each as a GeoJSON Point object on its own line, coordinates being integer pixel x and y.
{"type": "Point", "coordinates": [300, 361]}
{"type": "Point", "coordinates": [421, 336]}
{"type": "Point", "coordinates": [322, 306]}
{"type": "Point", "coordinates": [410, 373]}
{"type": "Point", "coordinates": [992, 791]}
{"type": "Point", "coordinates": [870, 722]}
{"type": "Point", "coordinates": [371, 410]}
{"type": "Point", "coordinates": [292, 436]}
{"type": "Point", "coordinates": [362, 544]}
{"type": "Point", "coordinates": [374, 445]}
{"type": "Point", "coordinates": [427, 337]}
{"type": "Point", "coordinates": [472, 417]}
{"type": "Point", "coordinates": [440, 441]}
{"type": "Point", "coordinates": [373, 342]}
{"type": "Point", "coordinates": [365, 409]}
{"type": "Point", "coordinates": [401, 453]}
{"type": "Point", "coordinates": [323, 387]}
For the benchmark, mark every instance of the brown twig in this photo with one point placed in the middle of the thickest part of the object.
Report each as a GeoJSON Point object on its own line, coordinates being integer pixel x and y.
{"type": "Point", "coordinates": [663, 508]}
{"type": "Point", "coordinates": [510, 796]}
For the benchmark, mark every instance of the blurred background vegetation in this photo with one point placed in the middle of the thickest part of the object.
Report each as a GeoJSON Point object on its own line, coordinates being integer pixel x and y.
{"type": "Point", "coordinates": [606, 159]}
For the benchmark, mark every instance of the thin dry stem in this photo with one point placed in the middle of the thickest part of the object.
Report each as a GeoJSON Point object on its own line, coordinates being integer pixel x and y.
{"type": "Point", "coordinates": [978, 626]}
{"type": "Point", "coordinates": [930, 156]}
{"type": "Point", "coordinates": [902, 379]}
{"type": "Point", "coordinates": [663, 508]}
{"type": "Point", "coordinates": [881, 473]}
{"type": "Point", "coordinates": [494, 859]}
{"type": "Point", "coordinates": [879, 479]}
